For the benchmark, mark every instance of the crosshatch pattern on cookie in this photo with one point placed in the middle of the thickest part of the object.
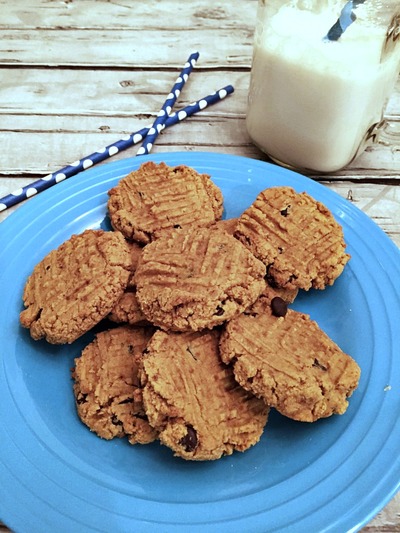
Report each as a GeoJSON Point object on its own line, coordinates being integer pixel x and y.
{"type": "Point", "coordinates": [157, 198]}
{"type": "Point", "coordinates": [76, 286]}
{"type": "Point", "coordinates": [296, 237]}
{"type": "Point", "coordinates": [107, 386]}
{"type": "Point", "coordinates": [290, 363]}
{"type": "Point", "coordinates": [193, 400]}
{"type": "Point", "coordinates": [197, 279]}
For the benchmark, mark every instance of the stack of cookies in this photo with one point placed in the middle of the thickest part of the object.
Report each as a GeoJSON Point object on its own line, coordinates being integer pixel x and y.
{"type": "Point", "coordinates": [203, 343]}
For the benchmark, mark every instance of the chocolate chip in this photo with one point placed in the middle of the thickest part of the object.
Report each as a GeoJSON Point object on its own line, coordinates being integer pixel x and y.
{"type": "Point", "coordinates": [115, 421]}
{"type": "Point", "coordinates": [81, 398]}
{"type": "Point", "coordinates": [220, 311]}
{"type": "Point", "coordinates": [285, 211]}
{"type": "Point", "coordinates": [189, 350]}
{"type": "Point", "coordinates": [268, 278]}
{"type": "Point", "coordinates": [317, 364]}
{"type": "Point", "coordinates": [190, 440]}
{"type": "Point", "coordinates": [247, 239]}
{"type": "Point", "coordinates": [127, 400]}
{"type": "Point", "coordinates": [278, 306]}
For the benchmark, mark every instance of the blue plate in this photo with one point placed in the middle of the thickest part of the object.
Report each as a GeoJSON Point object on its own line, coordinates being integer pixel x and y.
{"type": "Point", "coordinates": [333, 475]}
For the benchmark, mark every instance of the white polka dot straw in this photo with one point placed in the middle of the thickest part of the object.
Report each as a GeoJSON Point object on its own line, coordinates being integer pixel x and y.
{"type": "Point", "coordinates": [347, 17]}
{"type": "Point", "coordinates": [105, 153]}
{"type": "Point", "coordinates": [168, 105]}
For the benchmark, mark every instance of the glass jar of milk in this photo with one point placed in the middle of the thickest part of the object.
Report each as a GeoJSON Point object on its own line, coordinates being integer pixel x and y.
{"type": "Point", "coordinates": [317, 97]}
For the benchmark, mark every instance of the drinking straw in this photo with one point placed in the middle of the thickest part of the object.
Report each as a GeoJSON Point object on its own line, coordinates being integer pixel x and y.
{"type": "Point", "coordinates": [105, 153]}
{"type": "Point", "coordinates": [168, 105]}
{"type": "Point", "coordinates": [347, 17]}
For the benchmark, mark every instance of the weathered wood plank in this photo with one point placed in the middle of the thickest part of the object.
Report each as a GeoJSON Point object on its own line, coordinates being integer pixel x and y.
{"type": "Point", "coordinates": [124, 33]}
{"type": "Point", "coordinates": [130, 49]}
{"type": "Point", "coordinates": [77, 112]}
{"type": "Point", "coordinates": [82, 32]}
{"type": "Point", "coordinates": [50, 143]}
{"type": "Point", "coordinates": [151, 14]}
{"type": "Point", "coordinates": [118, 92]}
{"type": "Point", "coordinates": [110, 93]}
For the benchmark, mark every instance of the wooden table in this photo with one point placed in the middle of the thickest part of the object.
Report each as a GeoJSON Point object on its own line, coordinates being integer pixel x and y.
{"type": "Point", "coordinates": [79, 74]}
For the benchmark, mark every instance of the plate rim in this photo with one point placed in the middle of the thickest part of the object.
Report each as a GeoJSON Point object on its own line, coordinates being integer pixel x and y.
{"type": "Point", "coordinates": [109, 167]}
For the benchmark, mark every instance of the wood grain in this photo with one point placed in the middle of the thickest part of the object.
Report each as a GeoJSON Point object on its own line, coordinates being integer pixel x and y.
{"type": "Point", "coordinates": [78, 111]}
{"type": "Point", "coordinates": [76, 75]}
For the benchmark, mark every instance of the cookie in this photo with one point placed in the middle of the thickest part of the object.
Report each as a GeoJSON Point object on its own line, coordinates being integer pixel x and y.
{"type": "Point", "coordinates": [107, 389]}
{"type": "Point", "coordinates": [136, 251]}
{"type": "Point", "coordinates": [196, 279]}
{"type": "Point", "coordinates": [283, 357]}
{"type": "Point", "coordinates": [296, 237]}
{"type": "Point", "coordinates": [193, 400]}
{"type": "Point", "coordinates": [76, 286]}
{"type": "Point", "coordinates": [227, 224]}
{"type": "Point", "coordinates": [127, 310]}
{"type": "Point", "coordinates": [263, 302]}
{"type": "Point", "coordinates": [157, 198]}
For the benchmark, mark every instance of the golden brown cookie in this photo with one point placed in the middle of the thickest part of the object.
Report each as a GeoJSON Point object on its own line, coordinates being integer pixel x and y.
{"type": "Point", "coordinates": [227, 224]}
{"type": "Point", "coordinates": [107, 389]}
{"type": "Point", "coordinates": [295, 236]}
{"type": "Point", "coordinates": [193, 400]}
{"type": "Point", "coordinates": [127, 310]}
{"type": "Point", "coordinates": [76, 286]}
{"type": "Point", "coordinates": [136, 251]}
{"type": "Point", "coordinates": [283, 357]}
{"type": "Point", "coordinates": [268, 294]}
{"type": "Point", "coordinates": [196, 279]}
{"type": "Point", "coordinates": [158, 198]}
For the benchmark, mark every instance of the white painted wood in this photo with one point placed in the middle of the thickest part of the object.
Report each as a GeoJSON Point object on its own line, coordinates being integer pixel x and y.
{"type": "Point", "coordinates": [131, 14]}
{"type": "Point", "coordinates": [75, 112]}
{"type": "Point", "coordinates": [76, 75]}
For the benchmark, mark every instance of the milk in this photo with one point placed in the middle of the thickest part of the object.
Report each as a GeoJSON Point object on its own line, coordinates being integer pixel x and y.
{"type": "Point", "coordinates": [312, 101]}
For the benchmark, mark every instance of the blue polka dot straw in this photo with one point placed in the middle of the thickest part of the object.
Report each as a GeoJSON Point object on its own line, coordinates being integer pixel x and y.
{"type": "Point", "coordinates": [168, 105]}
{"type": "Point", "coordinates": [347, 17]}
{"type": "Point", "coordinates": [105, 153]}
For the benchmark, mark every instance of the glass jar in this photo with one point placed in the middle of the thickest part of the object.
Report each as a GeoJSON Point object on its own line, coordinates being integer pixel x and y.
{"type": "Point", "coordinates": [317, 97]}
